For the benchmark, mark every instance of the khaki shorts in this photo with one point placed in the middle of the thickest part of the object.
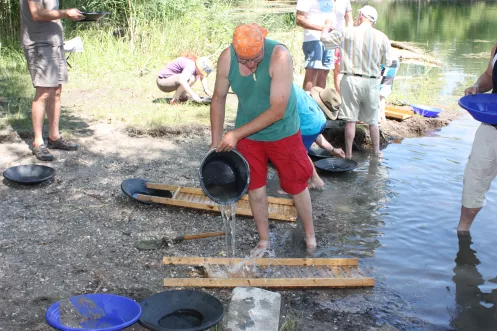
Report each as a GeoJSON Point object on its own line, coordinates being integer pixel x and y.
{"type": "Point", "coordinates": [360, 99]}
{"type": "Point", "coordinates": [481, 168]}
{"type": "Point", "coordinates": [47, 65]}
{"type": "Point", "coordinates": [168, 84]}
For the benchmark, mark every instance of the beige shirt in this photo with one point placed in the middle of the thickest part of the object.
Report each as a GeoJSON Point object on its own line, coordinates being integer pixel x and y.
{"type": "Point", "coordinates": [35, 33]}
{"type": "Point", "coordinates": [363, 48]}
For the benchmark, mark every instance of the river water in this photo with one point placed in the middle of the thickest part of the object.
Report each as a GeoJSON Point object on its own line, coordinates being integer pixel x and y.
{"type": "Point", "coordinates": [399, 215]}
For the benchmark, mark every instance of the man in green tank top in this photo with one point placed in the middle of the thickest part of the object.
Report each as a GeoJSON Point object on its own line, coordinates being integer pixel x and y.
{"type": "Point", "coordinates": [260, 73]}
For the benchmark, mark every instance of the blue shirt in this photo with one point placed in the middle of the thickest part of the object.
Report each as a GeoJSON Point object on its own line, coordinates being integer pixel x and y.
{"type": "Point", "coordinates": [311, 116]}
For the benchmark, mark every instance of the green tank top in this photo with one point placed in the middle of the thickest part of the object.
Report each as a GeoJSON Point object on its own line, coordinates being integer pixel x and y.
{"type": "Point", "coordinates": [253, 98]}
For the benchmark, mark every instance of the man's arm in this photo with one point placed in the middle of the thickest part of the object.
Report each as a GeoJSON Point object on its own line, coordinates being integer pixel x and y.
{"type": "Point", "coordinates": [386, 58]}
{"type": "Point", "coordinates": [349, 21]}
{"type": "Point", "coordinates": [333, 38]}
{"type": "Point", "coordinates": [41, 14]}
{"type": "Point", "coordinates": [484, 83]}
{"type": "Point", "coordinates": [218, 102]}
{"type": "Point", "coordinates": [305, 23]}
{"type": "Point", "coordinates": [281, 72]}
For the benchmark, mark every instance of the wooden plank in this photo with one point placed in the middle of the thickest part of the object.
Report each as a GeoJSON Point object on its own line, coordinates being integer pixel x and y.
{"type": "Point", "coordinates": [400, 109]}
{"type": "Point", "coordinates": [187, 260]}
{"type": "Point", "coordinates": [196, 190]}
{"type": "Point", "coordinates": [269, 282]}
{"type": "Point", "coordinates": [163, 187]}
{"type": "Point", "coordinates": [397, 116]}
{"type": "Point", "coordinates": [175, 202]}
{"type": "Point", "coordinates": [185, 200]}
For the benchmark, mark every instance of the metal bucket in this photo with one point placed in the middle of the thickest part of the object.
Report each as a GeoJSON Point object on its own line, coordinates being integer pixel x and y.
{"type": "Point", "coordinates": [224, 176]}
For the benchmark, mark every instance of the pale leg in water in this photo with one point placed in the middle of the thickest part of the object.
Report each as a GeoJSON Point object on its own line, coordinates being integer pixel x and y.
{"type": "Point", "coordinates": [374, 132]}
{"type": "Point", "coordinates": [304, 209]}
{"type": "Point", "coordinates": [381, 111]}
{"type": "Point", "coordinates": [467, 217]}
{"type": "Point", "coordinates": [258, 204]}
{"type": "Point", "coordinates": [349, 138]}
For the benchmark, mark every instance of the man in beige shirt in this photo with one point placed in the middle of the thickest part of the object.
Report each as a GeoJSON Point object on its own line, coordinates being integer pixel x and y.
{"type": "Point", "coordinates": [42, 40]}
{"type": "Point", "coordinates": [363, 50]}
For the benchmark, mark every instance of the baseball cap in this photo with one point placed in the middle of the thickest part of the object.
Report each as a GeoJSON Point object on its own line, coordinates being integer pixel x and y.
{"type": "Point", "coordinates": [370, 13]}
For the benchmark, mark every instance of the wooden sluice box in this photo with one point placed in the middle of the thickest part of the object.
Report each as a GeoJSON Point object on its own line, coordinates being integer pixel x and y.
{"type": "Point", "coordinates": [272, 273]}
{"type": "Point", "coordinates": [281, 209]}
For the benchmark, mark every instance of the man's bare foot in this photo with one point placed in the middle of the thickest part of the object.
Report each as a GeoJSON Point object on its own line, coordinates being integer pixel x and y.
{"type": "Point", "coordinates": [260, 249]}
{"type": "Point", "coordinates": [311, 245]}
{"type": "Point", "coordinates": [316, 183]}
{"type": "Point", "coordinates": [378, 154]}
{"type": "Point", "coordinates": [348, 156]}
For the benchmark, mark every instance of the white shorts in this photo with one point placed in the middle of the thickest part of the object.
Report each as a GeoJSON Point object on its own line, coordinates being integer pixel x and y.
{"type": "Point", "coordinates": [360, 99]}
{"type": "Point", "coordinates": [481, 168]}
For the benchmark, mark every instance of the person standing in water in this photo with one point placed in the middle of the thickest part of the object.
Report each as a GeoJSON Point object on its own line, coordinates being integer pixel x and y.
{"type": "Point", "coordinates": [260, 73]}
{"type": "Point", "coordinates": [481, 168]}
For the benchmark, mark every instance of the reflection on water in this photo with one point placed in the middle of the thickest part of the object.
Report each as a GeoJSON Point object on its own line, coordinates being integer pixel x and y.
{"type": "Point", "coordinates": [475, 310]}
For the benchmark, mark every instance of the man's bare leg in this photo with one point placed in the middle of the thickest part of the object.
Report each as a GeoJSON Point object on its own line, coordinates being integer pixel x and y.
{"type": "Point", "coordinates": [258, 204]}
{"type": "Point", "coordinates": [381, 111]}
{"type": "Point", "coordinates": [310, 79]}
{"type": "Point", "coordinates": [374, 132]}
{"type": "Point", "coordinates": [53, 114]}
{"type": "Point", "coordinates": [42, 96]}
{"type": "Point", "coordinates": [316, 181]}
{"type": "Point", "coordinates": [322, 75]}
{"type": "Point", "coordinates": [337, 77]}
{"type": "Point", "coordinates": [467, 217]}
{"type": "Point", "coordinates": [304, 209]}
{"type": "Point", "coordinates": [349, 138]}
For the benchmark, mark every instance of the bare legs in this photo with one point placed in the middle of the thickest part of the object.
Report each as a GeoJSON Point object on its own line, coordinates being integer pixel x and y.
{"type": "Point", "coordinates": [337, 77]}
{"type": "Point", "coordinates": [304, 209]}
{"type": "Point", "coordinates": [258, 204]}
{"type": "Point", "coordinates": [314, 77]}
{"type": "Point", "coordinates": [374, 132]}
{"type": "Point", "coordinates": [181, 92]}
{"type": "Point", "coordinates": [47, 100]}
{"type": "Point", "coordinates": [315, 181]}
{"type": "Point", "coordinates": [53, 113]}
{"type": "Point", "coordinates": [349, 138]}
{"type": "Point", "coordinates": [381, 112]}
{"type": "Point", "coordinates": [467, 217]}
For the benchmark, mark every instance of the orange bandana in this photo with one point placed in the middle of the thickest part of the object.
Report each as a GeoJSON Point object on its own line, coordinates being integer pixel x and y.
{"type": "Point", "coordinates": [248, 39]}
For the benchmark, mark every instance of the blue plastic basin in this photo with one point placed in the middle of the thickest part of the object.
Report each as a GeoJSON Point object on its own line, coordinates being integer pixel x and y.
{"type": "Point", "coordinates": [483, 107]}
{"type": "Point", "coordinates": [426, 111]}
{"type": "Point", "coordinates": [96, 312]}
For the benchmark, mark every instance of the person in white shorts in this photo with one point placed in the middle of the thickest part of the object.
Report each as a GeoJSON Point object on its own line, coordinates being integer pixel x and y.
{"type": "Point", "coordinates": [481, 168]}
{"type": "Point", "coordinates": [312, 15]}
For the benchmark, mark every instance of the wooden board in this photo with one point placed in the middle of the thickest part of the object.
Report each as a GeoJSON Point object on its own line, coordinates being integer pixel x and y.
{"type": "Point", "coordinates": [400, 109]}
{"type": "Point", "coordinates": [262, 261]}
{"type": "Point", "coordinates": [280, 209]}
{"type": "Point", "coordinates": [269, 282]}
{"type": "Point", "coordinates": [290, 273]}
{"type": "Point", "coordinates": [398, 112]}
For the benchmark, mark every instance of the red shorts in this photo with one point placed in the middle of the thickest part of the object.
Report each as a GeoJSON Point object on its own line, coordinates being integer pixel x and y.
{"type": "Point", "coordinates": [337, 56]}
{"type": "Point", "coordinates": [289, 157]}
